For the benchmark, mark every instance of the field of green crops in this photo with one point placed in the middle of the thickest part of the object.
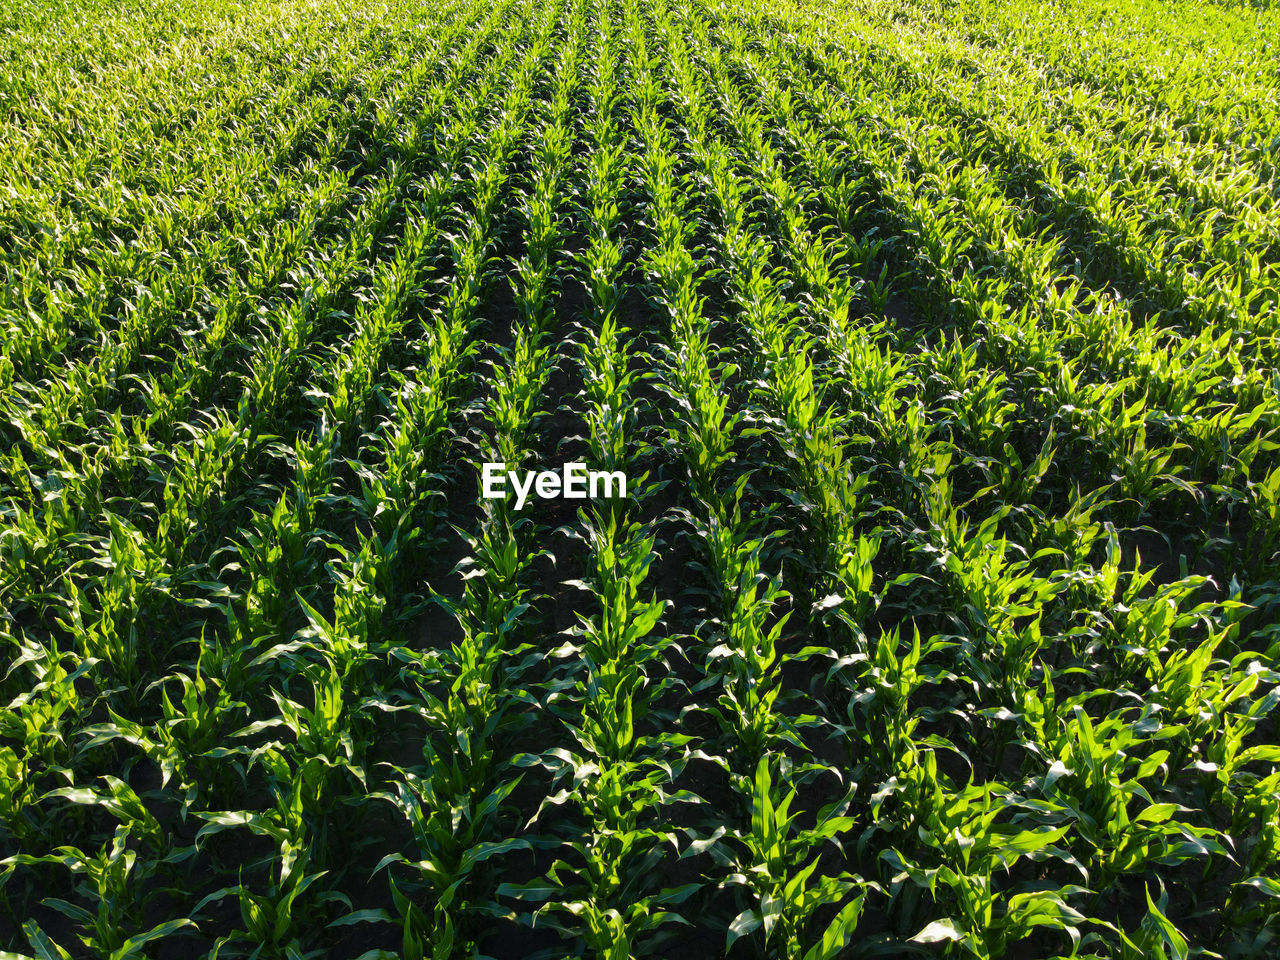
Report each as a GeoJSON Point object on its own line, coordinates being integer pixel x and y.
{"type": "Point", "coordinates": [939, 344]}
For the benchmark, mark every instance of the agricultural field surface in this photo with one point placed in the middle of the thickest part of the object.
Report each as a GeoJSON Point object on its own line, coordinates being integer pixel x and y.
{"type": "Point", "coordinates": [928, 355]}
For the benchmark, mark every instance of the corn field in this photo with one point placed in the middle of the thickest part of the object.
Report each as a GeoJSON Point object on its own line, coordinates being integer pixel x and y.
{"type": "Point", "coordinates": [939, 345]}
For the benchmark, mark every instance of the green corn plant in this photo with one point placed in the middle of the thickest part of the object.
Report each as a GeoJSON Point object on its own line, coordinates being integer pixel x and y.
{"type": "Point", "coordinates": [277, 920]}
{"type": "Point", "coordinates": [106, 626]}
{"type": "Point", "coordinates": [189, 734]}
{"type": "Point", "coordinates": [452, 821]}
{"type": "Point", "coordinates": [960, 830]}
{"type": "Point", "coordinates": [1095, 774]}
{"type": "Point", "coordinates": [786, 891]}
{"type": "Point", "coordinates": [882, 724]}
{"type": "Point", "coordinates": [110, 880]}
